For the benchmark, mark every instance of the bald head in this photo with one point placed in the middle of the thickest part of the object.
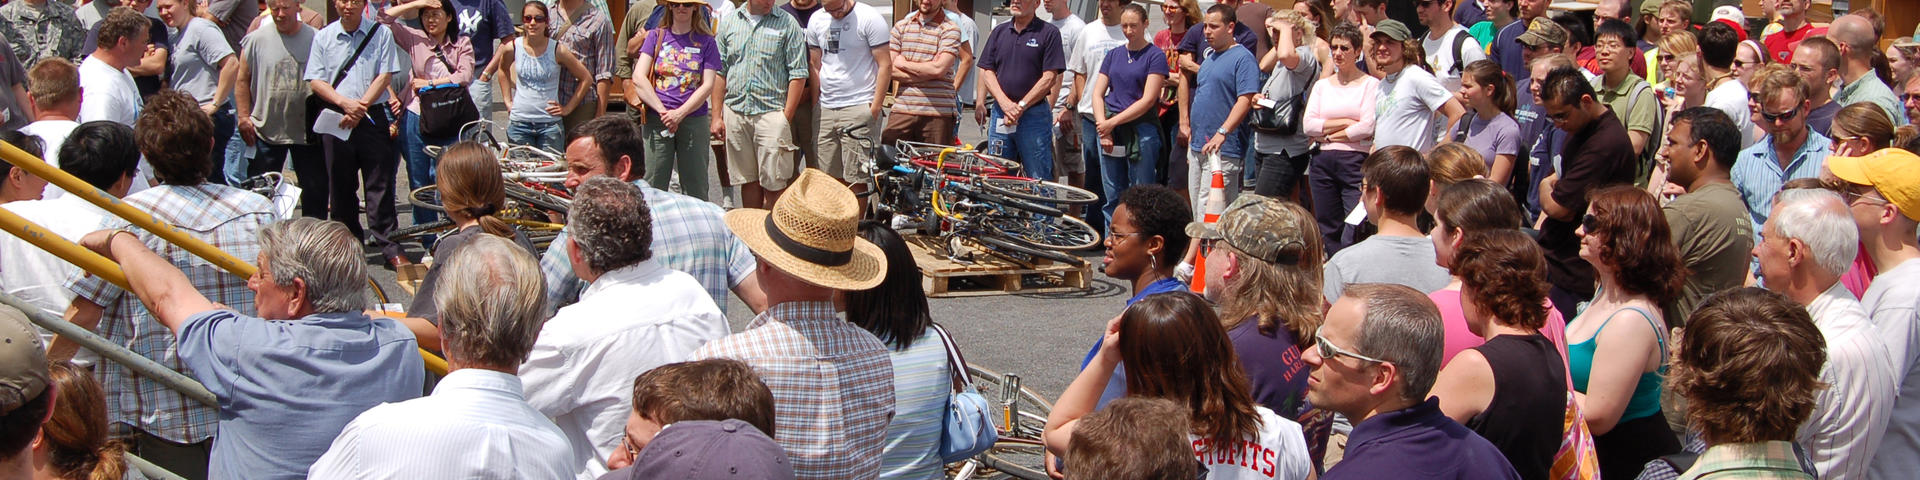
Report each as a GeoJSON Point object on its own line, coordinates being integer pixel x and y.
{"type": "Point", "coordinates": [1853, 32]}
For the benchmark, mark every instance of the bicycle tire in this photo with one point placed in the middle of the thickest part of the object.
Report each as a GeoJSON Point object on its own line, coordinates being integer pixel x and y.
{"type": "Point", "coordinates": [411, 231]}
{"type": "Point", "coordinates": [1001, 200]}
{"type": "Point", "coordinates": [423, 198]}
{"type": "Point", "coordinates": [1019, 453]}
{"type": "Point", "coordinates": [1038, 190]}
{"type": "Point", "coordinates": [540, 200]}
{"type": "Point", "coordinates": [1009, 245]}
{"type": "Point", "coordinates": [1064, 233]}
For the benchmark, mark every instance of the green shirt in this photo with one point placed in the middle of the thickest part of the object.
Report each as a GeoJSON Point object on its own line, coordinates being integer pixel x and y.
{"type": "Point", "coordinates": [1639, 112]}
{"type": "Point", "coordinates": [1773, 460]}
{"type": "Point", "coordinates": [637, 13]}
{"type": "Point", "coordinates": [1715, 238]}
{"type": "Point", "coordinates": [1869, 88]}
{"type": "Point", "coordinates": [760, 58]}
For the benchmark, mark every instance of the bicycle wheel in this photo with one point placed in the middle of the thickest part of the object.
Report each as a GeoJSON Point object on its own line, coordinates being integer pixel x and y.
{"type": "Point", "coordinates": [1037, 190]}
{"type": "Point", "coordinates": [427, 197]}
{"type": "Point", "coordinates": [1019, 453]}
{"type": "Point", "coordinates": [412, 232]}
{"type": "Point", "coordinates": [540, 200]}
{"type": "Point", "coordinates": [1055, 233]}
{"type": "Point", "coordinates": [1014, 249]}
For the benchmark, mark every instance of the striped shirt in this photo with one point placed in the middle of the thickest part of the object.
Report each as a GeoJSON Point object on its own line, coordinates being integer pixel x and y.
{"type": "Point", "coordinates": [590, 37]}
{"type": "Point", "coordinates": [1851, 414]}
{"type": "Point", "coordinates": [921, 384]}
{"type": "Point", "coordinates": [1758, 175]}
{"type": "Point", "coordinates": [226, 217]}
{"type": "Point", "coordinates": [916, 41]}
{"type": "Point", "coordinates": [688, 235]}
{"type": "Point", "coordinates": [832, 386]}
{"type": "Point", "coordinates": [760, 58]}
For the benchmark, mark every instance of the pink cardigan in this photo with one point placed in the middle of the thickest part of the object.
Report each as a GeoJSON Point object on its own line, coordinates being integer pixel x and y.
{"type": "Point", "coordinates": [1329, 101]}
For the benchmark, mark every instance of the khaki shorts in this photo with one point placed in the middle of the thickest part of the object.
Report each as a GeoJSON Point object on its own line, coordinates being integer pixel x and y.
{"type": "Point", "coordinates": [846, 142]}
{"type": "Point", "coordinates": [760, 149]}
{"type": "Point", "coordinates": [806, 133]}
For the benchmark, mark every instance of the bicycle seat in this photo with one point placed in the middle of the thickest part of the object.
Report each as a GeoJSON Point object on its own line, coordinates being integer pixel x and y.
{"type": "Point", "coordinates": [888, 157]}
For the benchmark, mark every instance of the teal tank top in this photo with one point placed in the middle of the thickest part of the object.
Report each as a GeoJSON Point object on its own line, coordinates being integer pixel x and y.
{"type": "Point", "coordinates": [1645, 401]}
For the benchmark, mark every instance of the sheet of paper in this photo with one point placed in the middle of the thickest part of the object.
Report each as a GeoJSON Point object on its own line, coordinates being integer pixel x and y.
{"type": "Point", "coordinates": [328, 123]}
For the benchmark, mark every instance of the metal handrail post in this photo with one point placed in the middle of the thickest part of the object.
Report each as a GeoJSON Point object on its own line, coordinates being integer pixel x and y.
{"type": "Point", "coordinates": [151, 471]}
{"type": "Point", "coordinates": [112, 351]}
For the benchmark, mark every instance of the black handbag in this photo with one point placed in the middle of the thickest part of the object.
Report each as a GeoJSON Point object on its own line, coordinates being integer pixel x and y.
{"type": "Point", "coordinates": [315, 103]}
{"type": "Point", "coordinates": [1285, 116]}
{"type": "Point", "coordinates": [445, 108]}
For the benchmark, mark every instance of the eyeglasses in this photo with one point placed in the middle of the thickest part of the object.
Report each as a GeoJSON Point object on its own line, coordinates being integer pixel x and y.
{"type": "Point", "coordinates": [1780, 117]}
{"type": "Point", "coordinates": [1423, 4]}
{"type": "Point", "coordinates": [1666, 57]}
{"type": "Point", "coordinates": [1590, 223]}
{"type": "Point", "coordinates": [1853, 197]}
{"type": "Point", "coordinates": [1738, 63]}
{"type": "Point", "coordinates": [535, 18]}
{"type": "Point", "coordinates": [1206, 246]}
{"type": "Point", "coordinates": [633, 451]}
{"type": "Point", "coordinates": [1329, 350]}
{"type": "Point", "coordinates": [1118, 237]}
{"type": "Point", "coordinates": [1910, 97]}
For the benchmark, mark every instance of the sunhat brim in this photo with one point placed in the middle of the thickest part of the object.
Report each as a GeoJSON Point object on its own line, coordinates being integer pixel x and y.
{"type": "Point", "coordinates": [864, 271]}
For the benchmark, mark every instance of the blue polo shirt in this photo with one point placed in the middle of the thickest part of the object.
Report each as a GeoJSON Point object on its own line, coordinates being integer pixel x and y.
{"type": "Point", "coordinates": [1758, 175]}
{"type": "Point", "coordinates": [1419, 442]}
{"type": "Point", "coordinates": [1223, 79]}
{"type": "Point", "coordinates": [1018, 57]}
{"type": "Point", "coordinates": [287, 388]}
{"type": "Point", "coordinates": [1195, 41]}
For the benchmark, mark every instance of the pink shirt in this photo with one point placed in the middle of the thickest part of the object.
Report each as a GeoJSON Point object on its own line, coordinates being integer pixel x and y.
{"type": "Point", "coordinates": [1459, 338]}
{"type": "Point", "coordinates": [1330, 101]}
{"type": "Point", "coordinates": [426, 65]}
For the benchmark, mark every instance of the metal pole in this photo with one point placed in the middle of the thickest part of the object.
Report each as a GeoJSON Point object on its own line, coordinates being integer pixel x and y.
{"type": "Point", "coordinates": [71, 252]}
{"type": "Point", "coordinates": [75, 186]}
{"type": "Point", "coordinates": [113, 352]}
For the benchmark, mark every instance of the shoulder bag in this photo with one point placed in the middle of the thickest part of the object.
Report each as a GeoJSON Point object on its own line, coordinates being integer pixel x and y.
{"type": "Point", "coordinates": [969, 428]}
{"type": "Point", "coordinates": [445, 108]}
{"type": "Point", "coordinates": [1285, 116]}
{"type": "Point", "coordinates": [315, 103]}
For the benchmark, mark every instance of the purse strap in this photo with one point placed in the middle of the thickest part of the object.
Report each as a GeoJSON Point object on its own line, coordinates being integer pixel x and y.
{"type": "Point", "coordinates": [342, 74]}
{"type": "Point", "coordinates": [957, 363]}
{"type": "Point", "coordinates": [443, 59]}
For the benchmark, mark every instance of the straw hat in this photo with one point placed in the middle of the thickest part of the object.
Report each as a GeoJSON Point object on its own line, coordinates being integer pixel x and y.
{"type": "Point", "coordinates": [813, 233]}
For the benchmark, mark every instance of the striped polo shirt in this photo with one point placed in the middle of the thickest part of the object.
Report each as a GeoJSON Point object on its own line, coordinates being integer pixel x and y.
{"type": "Point", "coordinates": [760, 58]}
{"type": "Point", "coordinates": [916, 41]}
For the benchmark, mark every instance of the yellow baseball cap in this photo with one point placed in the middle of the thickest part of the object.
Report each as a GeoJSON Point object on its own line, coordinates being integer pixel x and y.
{"type": "Point", "coordinates": [1894, 172]}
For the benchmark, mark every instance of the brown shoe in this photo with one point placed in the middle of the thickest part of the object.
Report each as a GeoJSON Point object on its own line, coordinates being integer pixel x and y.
{"type": "Point", "coordinates": [399, 261]}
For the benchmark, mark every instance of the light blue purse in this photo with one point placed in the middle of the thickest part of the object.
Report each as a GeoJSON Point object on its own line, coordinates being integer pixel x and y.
{"type": "Point", "coordinates": [969, 428]}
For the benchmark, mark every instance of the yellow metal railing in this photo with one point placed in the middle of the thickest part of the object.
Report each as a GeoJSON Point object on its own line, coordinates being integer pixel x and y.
{"type": "Point", "coordinates": [100, 266]}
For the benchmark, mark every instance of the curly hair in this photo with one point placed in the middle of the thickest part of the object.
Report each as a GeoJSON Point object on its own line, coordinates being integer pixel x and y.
{"type": "Point", "coordinates": [176, 137]}
{"type": "Point", "coordinates": [1158, 211]}
{"type": "Point", "coordinates": [1478, 204]}
{"type": "Point", "coordinates": [1165, 339]}
{"type": "Point", "coordinates": [1288, 292]}
{"type": "Point", "coordinates": [1636, 243]}
{"type": "Point", "coordinates": [1749, 367]}
{"type": "Point", "coordinates": [611, 224]}
{"type": "Point", "coordinates": [1504, 272]}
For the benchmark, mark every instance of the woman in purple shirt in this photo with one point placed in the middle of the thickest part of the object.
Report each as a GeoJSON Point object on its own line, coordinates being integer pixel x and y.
{"type": "Point", "coordinates": [441, 59]}
{"type": "Point", "coordinates": [675, 71]}
{"type": "Point", "coordinates": [1129, 132]}
{"type": "Point", "coordinates": [1489, 94]}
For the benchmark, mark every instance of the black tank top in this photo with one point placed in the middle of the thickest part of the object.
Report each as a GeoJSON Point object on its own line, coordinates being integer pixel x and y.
{"type": "Point", "coordinates": [1524, 419]}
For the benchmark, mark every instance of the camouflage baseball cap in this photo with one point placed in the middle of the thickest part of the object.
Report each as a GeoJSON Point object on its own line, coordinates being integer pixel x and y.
{"type": "Point", "coordinates": [1269, 229]}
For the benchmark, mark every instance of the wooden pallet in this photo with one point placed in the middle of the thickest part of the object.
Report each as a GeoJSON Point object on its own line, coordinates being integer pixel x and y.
{"type": "Point", "coordinates": [979, 273]}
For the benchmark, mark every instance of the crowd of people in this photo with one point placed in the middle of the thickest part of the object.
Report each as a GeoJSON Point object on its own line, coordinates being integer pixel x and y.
{"type": "Point", "coordinates": [1411, 268]}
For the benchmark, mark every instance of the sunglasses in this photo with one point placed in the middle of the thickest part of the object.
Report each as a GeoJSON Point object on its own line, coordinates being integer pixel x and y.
{"type": "Point", "coordinates": [1590, 223]}
{"type": "Point", "coordinates": [1780, 117]}
{"type": "Point", "coordinates": [681, 5]}
{"type": "Point", "coordinates": [535, 18]}
{"type": "Point", "coordinates": [1910, 97]}
{"type": "Point", "coordinates": [1329, 350]}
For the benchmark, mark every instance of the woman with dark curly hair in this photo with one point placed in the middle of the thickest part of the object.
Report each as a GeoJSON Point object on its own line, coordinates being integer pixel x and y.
{"type": "Point", "coordinates": [1749, 367]}
{"type": "Point", "coordinates": [1624, 235]}
{"type": "Point", "coordinates": [1511, 389]}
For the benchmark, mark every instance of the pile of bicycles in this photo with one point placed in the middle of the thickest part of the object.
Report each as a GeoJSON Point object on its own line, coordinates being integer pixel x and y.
{"type": "Point", "coordinates": [967, 197]}
{"type": "Point", "coordinates": [535, 202]}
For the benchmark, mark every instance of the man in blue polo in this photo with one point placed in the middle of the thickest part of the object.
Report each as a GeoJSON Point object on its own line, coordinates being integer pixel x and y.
{"type": "Point", "coordinates": [1018, 68]}
{"type": "Point", "coordinates": [1222, 98]}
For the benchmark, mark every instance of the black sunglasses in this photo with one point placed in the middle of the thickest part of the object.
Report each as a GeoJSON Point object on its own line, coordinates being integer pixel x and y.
{"type": "Point", "coordinates": [535, 18]}
{"type": "Point", "coordinates": [1780, 117]}
{"type": "Point", "coordinates": [1590, 223]}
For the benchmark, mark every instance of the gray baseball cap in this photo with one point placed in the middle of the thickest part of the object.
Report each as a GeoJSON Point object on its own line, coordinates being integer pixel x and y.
{"type": "Point", "coordinates": [23, 361]}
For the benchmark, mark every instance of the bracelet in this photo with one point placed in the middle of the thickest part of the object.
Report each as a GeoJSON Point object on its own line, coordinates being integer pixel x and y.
{"type": "Point", "coordinates": [1224, 131]}
{"type": "Point", "coordinates": [115, 233]}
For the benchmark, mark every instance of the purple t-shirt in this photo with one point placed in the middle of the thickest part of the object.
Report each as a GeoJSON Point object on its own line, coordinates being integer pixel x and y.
{"type": "Point", "coordinates": [1499, 135]}
{"type": "Point", "coordinates": [1127, 72]}
{"type": "Point", "coordinates": [1274, 367]}
{"type": "Point", "coordinates": [680, 61]}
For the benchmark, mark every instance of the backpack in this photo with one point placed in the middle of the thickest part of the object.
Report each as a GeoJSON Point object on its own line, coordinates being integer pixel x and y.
{"type": "Point", "coordinates": [1643, 168]}
{"type": "Point", "coordinates": [1459, 54]}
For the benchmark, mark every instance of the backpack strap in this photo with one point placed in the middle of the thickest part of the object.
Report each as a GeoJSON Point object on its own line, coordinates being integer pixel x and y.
{"type": "Point", "coordinates": [1459, 53]}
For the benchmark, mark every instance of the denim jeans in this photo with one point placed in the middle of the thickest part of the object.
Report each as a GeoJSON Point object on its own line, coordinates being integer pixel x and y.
{"type": "Point", "coordinates": [1139, 167]}
{"type": "Point", "coordinates": [239, 165]}
{"type": "Point", "coordinates": [482, 93]}
{"type": "Point", "coordinates": [223, 130]}
{"type": "Point", "coordinates": [1030, 143]}
{"type": "Point", "coordinates": [538, 134]}
{"type": "Point", "coordinates": [420, 166]}
{"type": "Point", "coordinates": [1333, 178]}
{"type": "Point", "coordinates": [1279, 173]}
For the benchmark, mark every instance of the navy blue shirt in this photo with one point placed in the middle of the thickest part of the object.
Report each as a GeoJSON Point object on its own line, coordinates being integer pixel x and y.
{"type": "Point", "coordinates": [1274, 367]}
{"type": "Point", "coordinates": [1018, 57]}
{"type": "Point", "coordinates": [1469, 13]}
{"type": "Point", "coordinates": [1420, 442]}
{"type": "Point", "coordinates": [1507, 50]}
{"type": "Point", "coordinates": [1222, 80]}
{"type": "Point", "coordinates": [484, 23]}
{"type": "Point", "coordinates": [1195, 41]}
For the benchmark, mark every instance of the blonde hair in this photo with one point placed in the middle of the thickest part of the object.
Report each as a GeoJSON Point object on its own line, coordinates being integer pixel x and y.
{"type": "Point", "coordinates": [1680, 43]}
{"type": "Point", "coordinates": [1302, 26]}
{"type": "Point", "coordinates": [1455, 162]}
{"type": "Point", "coordinates": [1287, 293]}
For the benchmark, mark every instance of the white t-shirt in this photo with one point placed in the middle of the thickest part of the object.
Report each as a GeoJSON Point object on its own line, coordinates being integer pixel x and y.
{"type": "Point", "coordinates": [848, 70]}
{"type": "Point", "coordinates": [1731, 97]}
{"type": "Point", "coordinates": [34, 275]}
{"type": "Point", "coordinates": [968, 30]}
{"type": "Point", "coordinates": [1095, 41]}
{"type": "Point", "coordinates": [1070, 28]}
{"type": "Point", "coordinates": [1404, 114]}
{"type": "Point", "coordinates": [1447, 63]}
{"type": "Point", "coordinates": [1279, 453]}
{"type": "Point", "coordinates": [52, 133]}
{"type": "Point", "coordinates": [107, 93]}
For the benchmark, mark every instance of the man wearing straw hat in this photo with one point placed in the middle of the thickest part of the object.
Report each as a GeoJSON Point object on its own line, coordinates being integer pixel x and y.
{"type": "Point", "coordinates": [832, 381]}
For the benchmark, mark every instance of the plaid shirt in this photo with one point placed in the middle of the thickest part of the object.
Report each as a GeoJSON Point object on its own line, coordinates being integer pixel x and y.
{"type": "Point", "coordinates": [689, 235]}
{"type": "Point", "coordinates": [832, 386]}
{"type": "Point", "coordinates": [1764, 460]}
{"type": "Point", "coordinates": [760, 59]}
{"type": "Point", "coordinates": [226, 217]}
{"type": "Point", "coordinates": [590, 37]}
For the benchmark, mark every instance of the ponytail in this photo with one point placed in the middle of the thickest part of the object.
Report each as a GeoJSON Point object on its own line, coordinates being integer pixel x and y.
{"type": "Point", "coordinates": [1498, 85]}
{"type": "Point", "coordinates": [110, 462]}
{"type": "Point", "coordinates": [489, 223]}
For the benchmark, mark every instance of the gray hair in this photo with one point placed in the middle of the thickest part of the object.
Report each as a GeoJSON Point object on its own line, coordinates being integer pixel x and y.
{"type": "Point", "coordinates": [1401, 326]}
{"type": "Point", "coordinates": [492, 302]}
{"type": "Point", "coordinates": [324, 254]}
{"type": "Point", "coordinates": [1818, 218]}
{"type": "Point", "coordinates": [610, 221]}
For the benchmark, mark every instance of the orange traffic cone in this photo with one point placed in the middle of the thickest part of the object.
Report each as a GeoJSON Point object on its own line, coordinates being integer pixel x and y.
{"type": "Point", "coordinates": [1216, 204]}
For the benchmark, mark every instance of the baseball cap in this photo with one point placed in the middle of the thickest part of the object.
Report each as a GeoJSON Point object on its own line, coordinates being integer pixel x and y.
{"type": "Point", "coordinates": [706, 449]}
{"type": "Point", "coordinates": [1543, 32]}
{"type": "Point", "coordinates": [23, 361]}
{"type": "Point", "coordinates": [1262, 227]}
{"type": "Point", "coordinates": [1650, 7]}
{"type": "Point", "coordinates": [1393, 29]}
{"type": "Point", "coordinates": [1894, 172]}
{"type": "Point", "coordinates": [1733, 17]}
